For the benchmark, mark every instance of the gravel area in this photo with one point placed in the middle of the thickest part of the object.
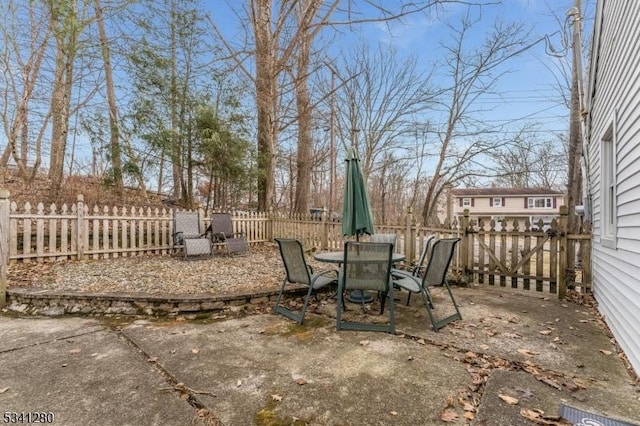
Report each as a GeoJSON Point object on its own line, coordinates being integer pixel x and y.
{"type": "Point", "coordinates": [222, 274]}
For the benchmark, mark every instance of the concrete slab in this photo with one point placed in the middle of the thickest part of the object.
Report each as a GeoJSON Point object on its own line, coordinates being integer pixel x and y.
{"type": "Point", "coordinates": [28, 331]}
{"type": "Point", "coordinates": [267, 368]}
{"type": "Point", "coordinates": [82, 377]}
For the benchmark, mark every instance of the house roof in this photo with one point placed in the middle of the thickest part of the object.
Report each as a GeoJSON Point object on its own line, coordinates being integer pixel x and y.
{"type": "Point", "coordinates": [503, 192]}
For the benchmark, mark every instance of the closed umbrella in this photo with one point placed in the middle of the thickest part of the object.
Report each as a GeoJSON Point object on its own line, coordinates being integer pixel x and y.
{"type": "Point", "coordinates": [356, 211]}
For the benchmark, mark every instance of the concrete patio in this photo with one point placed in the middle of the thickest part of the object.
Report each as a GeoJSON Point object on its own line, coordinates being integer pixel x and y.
{"type": "Point", "coordinates": [512, 358]}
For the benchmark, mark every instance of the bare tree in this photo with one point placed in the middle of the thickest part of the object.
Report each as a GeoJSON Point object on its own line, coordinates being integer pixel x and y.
{"type": "Point", "coordinates": [463, 141]}
{"type": "Point", "coordinates": [21, 70]}
{"type": "Point", "coordinates": [527, 161]}
{"type": "Point", "coordinates": [116, 158]}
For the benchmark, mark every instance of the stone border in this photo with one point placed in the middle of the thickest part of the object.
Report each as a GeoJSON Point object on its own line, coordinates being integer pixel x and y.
{"type": "Point", "coordinates": [50, 302]}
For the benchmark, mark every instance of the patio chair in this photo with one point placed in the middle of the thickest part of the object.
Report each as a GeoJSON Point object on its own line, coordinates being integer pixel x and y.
{"type": "Point", "coordinates": [366, 267]}
{"type": "Point", "coordinates": [221, 228]}
{"type": "Point", "coordinates": [299, 272]}
{"type": "Point", "coordinates": [187, 236]}
{"type": "Point", "coordinates": [384, 238]}
{"type": "Point", "coordinates": [417, 269]}
{"type": "Point", "coordinates": [435, 274]}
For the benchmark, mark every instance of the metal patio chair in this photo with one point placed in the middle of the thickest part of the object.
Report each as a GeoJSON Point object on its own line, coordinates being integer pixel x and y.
{"type": "Point", "coordinates": [187, 235]}
{"type": "Point", "coordinates": [366, 267]}
{"type": "Point", "coordinates": [384, 238]}
{"type": "Point", "coordinates": [435, 274]}
{"type": "Point", "coordinates": [417, 269]}
{"type": "Point", "coordinates": [299, 272]}
{"type": "Point", "coordinates": [221, 229]}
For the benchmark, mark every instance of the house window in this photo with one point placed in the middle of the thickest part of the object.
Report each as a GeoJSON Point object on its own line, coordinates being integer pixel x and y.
{"type": "Point", "coordinates": [466, 202]}
{"type": "Point", "coordinates": [540, 202]}
{"type": "Point", "coordinates": [608, 190]}
{"type": "Point", "coordinates": [497, 202]}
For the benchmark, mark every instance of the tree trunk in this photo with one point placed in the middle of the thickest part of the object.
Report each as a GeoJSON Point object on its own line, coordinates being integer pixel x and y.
{"type": "Point", "coordinates": [265, 95]}
{"type": "Point", "coordinates": [116, 158]}
{"type": "Point", "coordinates": [303, 176]}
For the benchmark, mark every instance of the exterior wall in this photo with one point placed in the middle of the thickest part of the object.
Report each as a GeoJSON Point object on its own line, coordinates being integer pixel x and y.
{"type": "Point", "coordinates": [614, 103]}
{"type": "Point", "coordinates": [513, 207]}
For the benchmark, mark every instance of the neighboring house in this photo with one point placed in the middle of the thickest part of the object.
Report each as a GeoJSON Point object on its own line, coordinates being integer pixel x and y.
{"type": "Point", "coordinates": [504, 205]}
{"type": "Point", "coordinates": [612, 152]}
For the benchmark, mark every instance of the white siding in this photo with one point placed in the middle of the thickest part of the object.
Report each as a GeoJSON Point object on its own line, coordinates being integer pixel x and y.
{"type": "Point", "coordinates": [615, 96]}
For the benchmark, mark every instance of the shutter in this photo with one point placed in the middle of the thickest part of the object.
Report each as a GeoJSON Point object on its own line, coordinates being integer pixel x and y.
{"type": "Point", "coordinates": [472, 203]}
{"type": "Point", "coordinates": [460, 201]}
{"type": "Point", "coordinates": [526, 202]}
{"type": "Point", "coordinates": [491, 202]}
{"type": "Point", "coordinates": [555, 203]}
{"type": "Point", "coordinates": [504, 201]}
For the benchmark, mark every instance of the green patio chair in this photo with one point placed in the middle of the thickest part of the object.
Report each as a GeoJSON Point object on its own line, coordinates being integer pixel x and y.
{"type": "Point", "coordinates": [435, 274]}
{"type": "Point", "coordinates": [221, 229]}
{"type": "Point", "coordinates": [366, 267]}
{"type": "Point", "coordinates": [417, 269]}
{"type": "Point", "coordinates": [384, 238]}
{"type": "Point", "coordinates": [299, 272]}
{"type": "Point", "coordinates": [187, 236]}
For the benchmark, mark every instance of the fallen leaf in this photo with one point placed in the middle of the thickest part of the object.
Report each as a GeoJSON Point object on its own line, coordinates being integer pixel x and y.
{"type": "Point", "coordinates": [527, 352]}
{"type": "Point", "coordinates": [239, 383]}
{"type": "Point", "coordinates": [75, 351]}
{"type": "Point", "coordinates": [448, 416]}
{"type": "Point", "coordinates": [556, 339]}
{"type": "Point", "coordinates": [3, 390]}
{"type": "Point", "coordinates": [606, 352]}
{"type": "Point", "coordinates": [94, 354]}
{"type": "Point", "coordinates": [469, 415]}
{"type": "Point", "coordinates": [508, 399]}
{"type": "Point", "coordinates": [276, 397]}
{"type": "Point", "coordinates": [549, 381]}
{"type": "Point", "coordinates": [301, 381]}
{"type": "Point", "coordinates": [152, 359]}
{"type": "Point", "coordinates": [468, 407]}
{"type": "Point", "coordinates": [195, 351]}
{"type": "Point", "coordinates": [545, 332]}
{"type": "Point", "coordinates": [410, 358]}
{"type": "Point", "coordinates": [393, 413]}
{"type": "Point", "coordinates": [422, 342]}
{"type": "Point", "coordinates": [364, 342]}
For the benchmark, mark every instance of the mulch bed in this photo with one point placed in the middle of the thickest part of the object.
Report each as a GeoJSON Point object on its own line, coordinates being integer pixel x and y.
{"type": "Point", "coordinates": [222, 274]}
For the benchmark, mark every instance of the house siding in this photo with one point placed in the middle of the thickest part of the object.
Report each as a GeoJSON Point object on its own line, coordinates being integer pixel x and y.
{"type": "Point", "coordinates": [614, 96]}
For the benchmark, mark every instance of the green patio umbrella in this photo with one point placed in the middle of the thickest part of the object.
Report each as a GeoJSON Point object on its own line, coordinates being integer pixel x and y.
{"type": "Point", "coordinates": [356, 211]}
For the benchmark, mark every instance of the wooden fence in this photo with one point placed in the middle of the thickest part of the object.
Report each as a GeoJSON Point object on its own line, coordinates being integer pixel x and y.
{"type": "Point", "coordinates": [524, 257]}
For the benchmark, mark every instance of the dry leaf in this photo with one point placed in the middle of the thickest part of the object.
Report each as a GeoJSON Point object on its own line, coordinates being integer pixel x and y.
{"type": "Point", "coordinates": [448, 416]}
{"type": "Point", "coordinates": [549, 381]}
{"type": "Point", "coordinates": [75, 351]}
{"type": "Point", "coordinates": [606, 352]}
{"type": "Point", "coordinates": [239, 383]}
{"type": "Point", "coordinates": [468, 407]}
{"type": "Point", "coordinates": [422, 342]}
{"type": "Point", "coordinates": [508, 399]}
{"type": "Point", "coordinates": [276, 397]}
{"type": "Point", "coordinates": [584, 320]}
{"type": "Point", "coordinates": [469, 415]}
{"type": "Point", "coordinates": [301, 381]}
{"type": "Point", "coordinates": [364, 342]}
{"type": "Point", "coordinates": [545, 332]}
{"type": "Point", "coordinates": [393, 413]}
{"type": "Point", "coordinates": [152, 359]}
{"type": "Point", "coordinates": [527, 352]}
{"type": "Point", "coordinates": [3, 390]}
{"type": "Point", "coordinates": [195, 351]}
{"type": "Point", "coordinates": [184, 396]}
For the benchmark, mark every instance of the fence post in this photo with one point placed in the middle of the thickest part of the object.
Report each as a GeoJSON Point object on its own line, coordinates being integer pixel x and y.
{"type": "Point", "coordinates": [562, 255]}
{"type": "Point", "coordinates": [465, 249]}
{"type": "Point", "coordinates": [80, 227]}
{"type": "Point", "coordinates": [408, 236]}
{"type": "Point", "coordinates": [270, 221]}
{"type": "Point", "coordinates": [324, 238]}
{"type": "Point", "coordinates": [4, 244]}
